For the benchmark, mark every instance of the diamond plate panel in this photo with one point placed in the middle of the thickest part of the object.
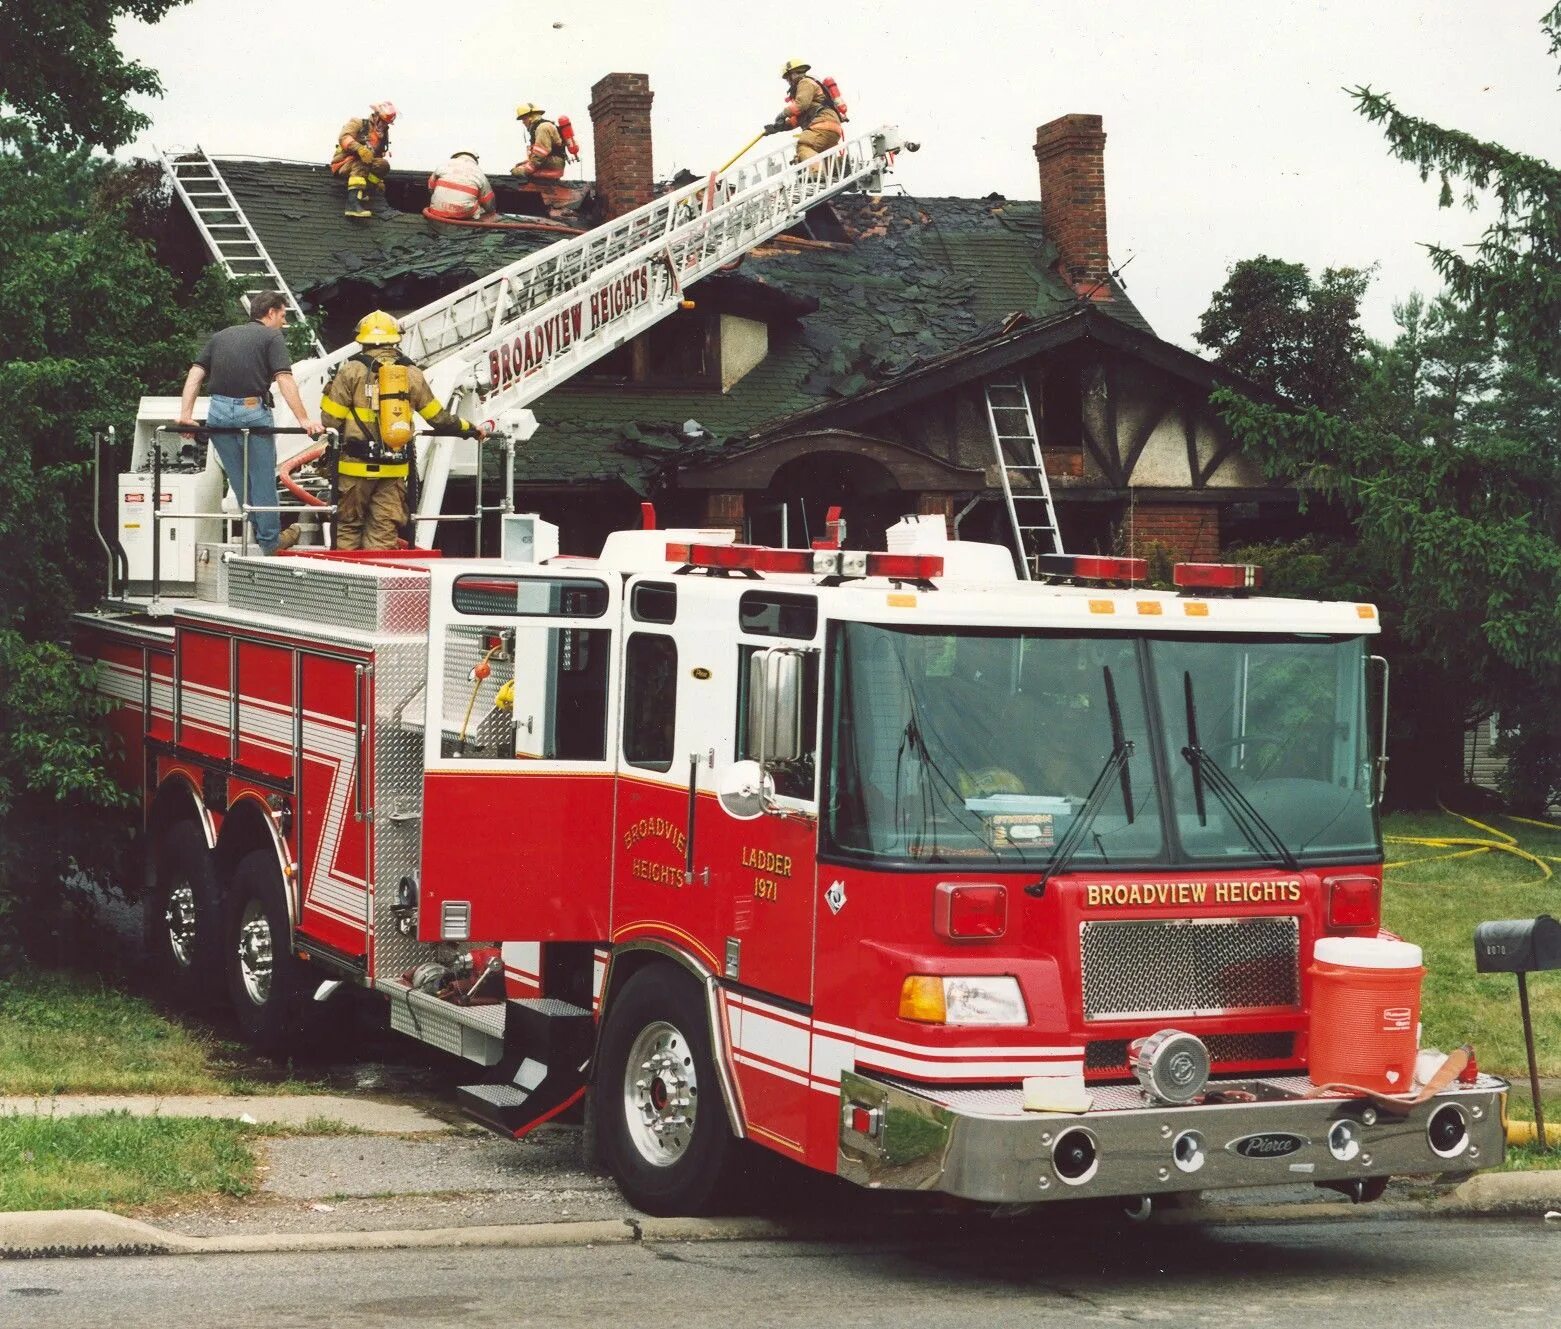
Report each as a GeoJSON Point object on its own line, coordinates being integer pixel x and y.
{"type": "Point", "coordinates": [361, 596]}
{"type": "Point", "coordinates": [400, 671]}
{"type": "Point", "coordinates": [1186, 967]}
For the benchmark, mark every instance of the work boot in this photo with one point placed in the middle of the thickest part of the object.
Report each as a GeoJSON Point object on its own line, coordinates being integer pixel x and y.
{"type": "Point", "coordinates": [357, 204]}
{"type": "Point", "coordinates": [288, 538]}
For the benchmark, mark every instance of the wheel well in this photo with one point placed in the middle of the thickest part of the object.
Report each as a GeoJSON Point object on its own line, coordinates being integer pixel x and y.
{"type": "Point", "coordinates": [629, 960]}
{"type": "Point", "coordinates": [176, 801]}
{"type": "Point", "coordinates": [249, 826]}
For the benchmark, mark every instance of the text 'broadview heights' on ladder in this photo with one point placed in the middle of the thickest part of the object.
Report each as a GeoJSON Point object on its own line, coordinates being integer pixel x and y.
{"type": "Point", "coordinates": [494, 346]}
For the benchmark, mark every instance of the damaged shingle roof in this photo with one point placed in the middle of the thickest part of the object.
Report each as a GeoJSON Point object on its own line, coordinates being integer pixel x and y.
{"type": "Point", "coordinates": [897, 282]}
{"type": "Point", "coordinates": [399, 258]}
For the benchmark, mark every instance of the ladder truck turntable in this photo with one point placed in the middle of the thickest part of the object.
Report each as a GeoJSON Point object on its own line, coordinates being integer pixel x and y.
{"type": "Point", "coordinates": [890, 862]}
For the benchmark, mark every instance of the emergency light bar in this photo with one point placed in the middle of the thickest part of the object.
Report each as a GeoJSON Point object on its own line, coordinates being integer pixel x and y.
{"type": "Point", "coordinates": [1217, 576]}
{"type": "Point", "coordinates": [1090, 567]}
{"type": "Point", "coordinates": [807, 562]}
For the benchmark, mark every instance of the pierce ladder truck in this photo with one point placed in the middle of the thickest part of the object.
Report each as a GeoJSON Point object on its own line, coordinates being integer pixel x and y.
{"type": "Point", "coordinates": [887, 861]}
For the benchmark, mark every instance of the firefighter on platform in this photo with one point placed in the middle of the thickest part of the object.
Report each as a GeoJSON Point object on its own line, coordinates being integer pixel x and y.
{"type": "Point", "coordinates": [811, 108]}
{"type": "Point", "coordinates": [545, 160]}
{"type": "Point", "coordinates": [362, 156]}
{"type": "Point", "coordinates": [460, 191]}
{"type": "Point", "coordinates": [375, 400]}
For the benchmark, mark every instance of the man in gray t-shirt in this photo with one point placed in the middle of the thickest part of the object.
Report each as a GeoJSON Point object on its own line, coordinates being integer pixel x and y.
{"type": "Point", "coordinates": [242, 363]}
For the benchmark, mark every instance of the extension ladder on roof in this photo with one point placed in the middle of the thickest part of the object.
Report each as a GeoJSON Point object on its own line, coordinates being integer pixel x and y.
{"type": "Point", "coordinates": [506, 339]}
{"type": "Point", "coordinates": [225, 228]}
{"type": "Point", "coordinates": [1031, 513]}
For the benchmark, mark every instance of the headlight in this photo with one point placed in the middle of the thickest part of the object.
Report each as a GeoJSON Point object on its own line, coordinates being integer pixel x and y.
{"type": "Point", "coordinates": [940, 999]}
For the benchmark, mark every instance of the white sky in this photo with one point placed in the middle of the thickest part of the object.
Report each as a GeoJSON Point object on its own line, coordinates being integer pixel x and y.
{"type": "Point", "coordinates": [1228, 133]}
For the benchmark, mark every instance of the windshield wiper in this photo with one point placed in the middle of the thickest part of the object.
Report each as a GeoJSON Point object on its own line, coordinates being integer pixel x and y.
{"type": "Point", "coordinates": [1253, 826]}
{"type": "Point", "coordinates": [1116, 766]}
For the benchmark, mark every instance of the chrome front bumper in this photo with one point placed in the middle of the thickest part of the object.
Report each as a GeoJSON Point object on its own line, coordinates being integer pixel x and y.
{"type": "Point", "coordinates": [979, 1143]}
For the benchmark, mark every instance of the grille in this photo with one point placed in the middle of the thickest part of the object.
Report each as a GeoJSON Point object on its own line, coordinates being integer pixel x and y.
{"type": "Point", "coordinates": [1165, 967]}
{"type": "Point", "coordinates": [1110, 1054]}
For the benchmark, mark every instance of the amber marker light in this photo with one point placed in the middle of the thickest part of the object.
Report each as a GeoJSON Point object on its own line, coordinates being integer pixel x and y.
{"type": "Point", "coordinates": [921, 999]}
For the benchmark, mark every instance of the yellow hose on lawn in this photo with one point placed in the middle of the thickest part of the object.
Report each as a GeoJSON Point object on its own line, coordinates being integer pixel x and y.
{"type": "Point", "coordinates": [1501, 843]}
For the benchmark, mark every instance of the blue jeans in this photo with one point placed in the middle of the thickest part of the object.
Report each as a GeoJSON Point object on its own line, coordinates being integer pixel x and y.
{"type": "Point", "coordinates": [231, 411]}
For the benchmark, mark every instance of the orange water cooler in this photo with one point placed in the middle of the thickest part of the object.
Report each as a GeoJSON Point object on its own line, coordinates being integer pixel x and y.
{"type": "Point", "coordinates": [1365, 1012]}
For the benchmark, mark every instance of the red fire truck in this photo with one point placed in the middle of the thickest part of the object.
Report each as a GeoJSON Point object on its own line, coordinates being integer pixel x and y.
{"type": "Point", "coordinates": [840, 853]}
{"type": "Point", "coordinates": [889, 862]}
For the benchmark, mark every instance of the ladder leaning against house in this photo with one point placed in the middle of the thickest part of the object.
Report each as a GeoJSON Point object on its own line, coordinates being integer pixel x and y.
{"type": "Point", "coordinates": [1027, 493]}
{"type": "Point", "coordinates": [200, 187]}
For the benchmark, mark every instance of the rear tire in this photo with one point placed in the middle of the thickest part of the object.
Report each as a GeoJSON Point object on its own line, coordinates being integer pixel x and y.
{"type": "Point", "coordinates": [662, 1122]}
{"type": "Point", "coordinates": [183, 916]}
{"type": "Point", "coordinates": [262, 974]}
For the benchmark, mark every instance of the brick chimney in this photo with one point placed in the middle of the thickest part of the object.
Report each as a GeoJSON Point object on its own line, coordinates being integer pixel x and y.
{"type": "Point", "coordinates": [620, 124]}
{"type": "Point", "coordinates": [1071, 153]}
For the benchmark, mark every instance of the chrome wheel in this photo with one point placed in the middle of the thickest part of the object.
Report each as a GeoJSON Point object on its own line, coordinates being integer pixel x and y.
{"type": "Point", "coordinates": [179, 919]}
{"type": "Point", "coordinates": [660, 1093]}
{"type": "Point", "coordinates": [255, 958]}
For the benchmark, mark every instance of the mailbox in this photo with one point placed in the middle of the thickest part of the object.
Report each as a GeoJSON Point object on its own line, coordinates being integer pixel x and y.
{"type": "Point", "coordinates": [1517, 945]}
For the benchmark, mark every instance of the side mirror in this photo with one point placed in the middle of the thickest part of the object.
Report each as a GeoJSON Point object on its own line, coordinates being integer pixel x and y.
{"type": "Point", "coordinates": [744, 790]}
{"type": "Point", "coordinates": [775, 705]}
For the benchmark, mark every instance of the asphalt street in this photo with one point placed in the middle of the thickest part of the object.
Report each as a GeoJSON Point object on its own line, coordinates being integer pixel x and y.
{"type": "Point", "coordinates": [1430, 1273]}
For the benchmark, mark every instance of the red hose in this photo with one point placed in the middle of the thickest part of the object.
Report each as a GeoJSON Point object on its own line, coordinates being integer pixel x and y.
{"type": "Point", "coordinates": [538, 225]}
{"type": "Point", "coordinates": [284, 473]}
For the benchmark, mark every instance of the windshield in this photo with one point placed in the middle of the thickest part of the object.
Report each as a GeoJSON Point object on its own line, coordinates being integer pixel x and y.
{"type": "Point", "coordinates": [1285, 720]}
{"type": "Point", "coordinates": [948, 746]}
{"type": "Point", "coordinates": [986, 745]}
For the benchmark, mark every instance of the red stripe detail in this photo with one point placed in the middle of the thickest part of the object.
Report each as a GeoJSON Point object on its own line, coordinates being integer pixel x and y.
{"type": "Point", "coordinates": [548, 1116]}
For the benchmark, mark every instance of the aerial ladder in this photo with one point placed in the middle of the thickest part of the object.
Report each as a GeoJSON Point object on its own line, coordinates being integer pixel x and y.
{"type": "Point", "coordinates": [499, 343]}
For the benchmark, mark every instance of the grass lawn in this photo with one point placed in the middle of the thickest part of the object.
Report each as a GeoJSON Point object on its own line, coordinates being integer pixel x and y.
{"type": "Point", "coordinates": [72, 1033]}
{"type": "Point", "coordinates": [116, 1161]}
{"type": "Point", "coordinates": [1435, 901]}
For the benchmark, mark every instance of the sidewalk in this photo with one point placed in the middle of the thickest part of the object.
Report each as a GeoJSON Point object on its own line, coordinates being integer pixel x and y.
{"type": "Point", "coordinates": [412, 1178]}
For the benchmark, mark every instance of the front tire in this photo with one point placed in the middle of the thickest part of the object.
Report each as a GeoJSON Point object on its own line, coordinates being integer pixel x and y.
{"type": "Point", "coordinates": [183, 916]}
{"type": "Point", "coordinates": [262, 975]}
{"type": "Point", "coordinates": [662, 1123]}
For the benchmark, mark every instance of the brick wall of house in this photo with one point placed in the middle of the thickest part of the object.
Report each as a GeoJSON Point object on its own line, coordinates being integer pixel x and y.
{"type": "Point", "coordinates": [1071, 154]}
{"type": "Point", "coordinates": [620, 125]}
{"type": "Point", "coordinates": [1191, 531]}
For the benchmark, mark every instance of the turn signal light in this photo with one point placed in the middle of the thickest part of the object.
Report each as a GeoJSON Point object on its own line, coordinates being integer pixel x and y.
{"type": "Point", "coordinates": [921, 999]}
{"type": "Point", "coordinates": [963, 912]}
{"type": "Point", "coordinates": [1089, 567]}
{"type": "Point", "coordinates": [1217, 576]}
{"type": "Point", "coordinates": [1354, 901]}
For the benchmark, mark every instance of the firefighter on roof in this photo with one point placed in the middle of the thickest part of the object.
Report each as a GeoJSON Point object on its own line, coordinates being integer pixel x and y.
{"type": "Point", "coordinates": [546, 159]}
{"type": "Point", "coordinates": [374, 400]}
{"type": "Point", "coordinates": [811, 107]}
{"type": "Point", "coordinates": [461, 191]}
{"type": "Point", "coordinates": [362, 153]}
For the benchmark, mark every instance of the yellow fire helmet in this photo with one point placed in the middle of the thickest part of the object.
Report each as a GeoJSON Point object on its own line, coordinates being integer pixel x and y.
{"type": "Point", "coordinates": [378, 329]}
{"type": "Point", "coordinates": [527, 108]}
{"type": "Point", "coordinates": [795, 67]}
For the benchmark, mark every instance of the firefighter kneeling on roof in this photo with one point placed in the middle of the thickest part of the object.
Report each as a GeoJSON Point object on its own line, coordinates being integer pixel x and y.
{"type": "Point", "coordinates": [362, 152]}
{"type": "Point", "coordinates": [374, 400]}
{"type": "Point", "coordinates": [459, 191]}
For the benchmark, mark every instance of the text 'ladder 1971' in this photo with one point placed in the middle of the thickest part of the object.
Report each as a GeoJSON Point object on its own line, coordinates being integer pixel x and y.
{"type": "Point", "coordinates": [1027, 492]}
{"type": "Point", "coordinates": [226, 230]}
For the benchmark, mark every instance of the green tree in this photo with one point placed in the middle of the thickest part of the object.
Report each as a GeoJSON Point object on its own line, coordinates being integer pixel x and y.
{"type": "Point", "coordinates": [89, 321]}
{"type": "Point", "coordinates": [63, 74]}
{"type": "Point", "coordinates": [1514, 274]}
{"type": "Point", "coordinates": [1449, 462]}
{"type": "Point", "coordinates": [1277, 327]}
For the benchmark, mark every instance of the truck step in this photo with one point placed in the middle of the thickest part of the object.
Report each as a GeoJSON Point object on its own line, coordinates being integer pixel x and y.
{"type": "Point", "coordinates": [547, 1044]}
{"type": "Point", "coordinates": [536, 1094]}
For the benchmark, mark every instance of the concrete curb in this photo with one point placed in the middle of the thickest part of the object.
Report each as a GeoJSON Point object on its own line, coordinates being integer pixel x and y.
{"type": "Point", "coordinates": [73, 1232]}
